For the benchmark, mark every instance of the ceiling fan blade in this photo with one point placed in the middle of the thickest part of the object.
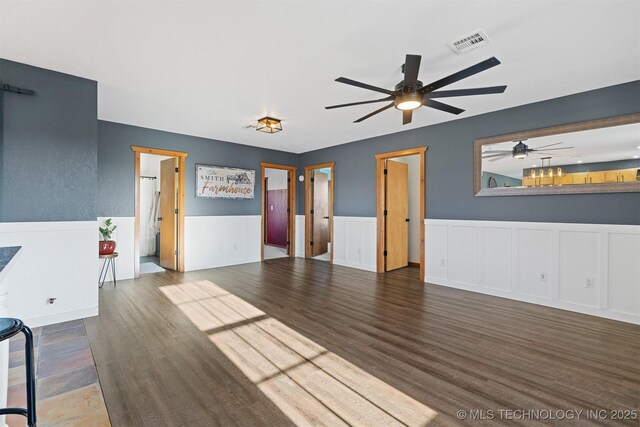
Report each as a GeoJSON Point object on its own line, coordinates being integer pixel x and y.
{"type": "Point", "coordinates": [497, 151]}
{"type": "Point", "coordinates": [496, 159]}
{"type": "Point", "coordinates": [467, 92]}
{"type": "Point", "coordinates": [549, 145]}
{"type": "Point", "coordinates": [406, 116]}
{"type": "Point", "coordinates": [389, 98]}
{"type": "Point", "coordinates": [411, 68]}
{"type": "Point", "coordinates": [440, 106]}
{"type": "Point", "coordinates": [374, 113]}
{"type": "Point", "coordinates": [490, 156]}
{"type": "Point", "coordinates": [551, 149]}
{"type": "Point", "coordinates": [363, 85]}
{"type": "Point", "coordinates": [467, 72]}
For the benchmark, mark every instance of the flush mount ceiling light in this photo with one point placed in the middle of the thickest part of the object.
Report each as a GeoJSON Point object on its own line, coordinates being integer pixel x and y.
{"type": "Point", "coordinates": [269, 125]}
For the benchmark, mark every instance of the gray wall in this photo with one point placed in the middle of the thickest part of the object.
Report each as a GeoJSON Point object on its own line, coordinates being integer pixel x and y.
{"type": "Point", "coordinates": [501, 180]}
{"type": "Point", "coordinates": [449, 164]}
{"type": "Point", "coordinates": [60, 163]}
{"type": "Point", "coordinates": [116, 174]}
{"type": "Point", "coordinates": [49, 146]}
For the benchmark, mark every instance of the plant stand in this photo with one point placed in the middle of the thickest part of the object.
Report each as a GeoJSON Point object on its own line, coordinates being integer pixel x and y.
{"type": "Point", "coordinates": [108, 264]}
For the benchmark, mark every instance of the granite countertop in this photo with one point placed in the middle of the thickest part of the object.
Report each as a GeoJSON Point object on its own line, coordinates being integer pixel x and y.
{"type": "Point", "coordinates": [7, 254]}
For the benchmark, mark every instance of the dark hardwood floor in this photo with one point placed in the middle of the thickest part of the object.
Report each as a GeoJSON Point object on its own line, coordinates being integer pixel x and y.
{"type": "Point", "coordinates": [160, 361]}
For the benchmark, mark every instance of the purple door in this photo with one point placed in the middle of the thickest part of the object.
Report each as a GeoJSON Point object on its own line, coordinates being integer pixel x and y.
{"type": "Point", "coordinates": [277, 217]}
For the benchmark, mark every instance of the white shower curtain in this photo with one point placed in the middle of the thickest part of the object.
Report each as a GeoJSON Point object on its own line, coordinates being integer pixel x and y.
{"type": "Point", "coordinates": [149, 226]}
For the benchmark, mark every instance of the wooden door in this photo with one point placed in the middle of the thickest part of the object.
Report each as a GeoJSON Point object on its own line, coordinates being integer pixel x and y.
{"type": "Point", "coordinates": [290, 176]}
{"type": "Point", "coordinates": [320, 213]}
{"type": "Point", "coordinates": [397, 207]}
{"type": "Point", "coordinates": [168, 207]}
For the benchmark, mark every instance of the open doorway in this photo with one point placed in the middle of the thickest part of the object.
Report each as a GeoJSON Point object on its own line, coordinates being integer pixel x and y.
{"type": "Point", "coordinates": [159, 206]}
{"type": "Point", "coordinates": [278, 211]}
{"type": "Point", "coordinates": [158, 213]}
{"type": "Point", "coordinates": [318, 211]}
{"type": "Point", "coordinates": [400, 210]}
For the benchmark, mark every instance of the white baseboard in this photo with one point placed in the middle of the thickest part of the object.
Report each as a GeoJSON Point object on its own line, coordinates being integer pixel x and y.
{"type": "Point", "coordinates": [57, 260]}
{"type": "Point", "coordinates": [509, 259]}
{"type": "Point", "coordinates": [36, 322]}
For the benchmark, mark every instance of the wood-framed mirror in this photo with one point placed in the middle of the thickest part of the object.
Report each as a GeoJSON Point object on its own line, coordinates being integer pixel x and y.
{"type": "Point", "coordinates": [595, 156]}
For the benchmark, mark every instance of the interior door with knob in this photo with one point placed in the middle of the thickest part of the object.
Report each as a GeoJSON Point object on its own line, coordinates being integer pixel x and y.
{"type": "Point", "coordinates": [168, 213]}
{"type": "Point", "coordinates": [397, 218]}
{"type": "Point", "coordinates": [320, 213]}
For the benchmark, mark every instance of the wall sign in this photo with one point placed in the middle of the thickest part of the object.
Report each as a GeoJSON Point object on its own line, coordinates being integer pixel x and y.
{"type": "Point", "coordinates": [218, 182]}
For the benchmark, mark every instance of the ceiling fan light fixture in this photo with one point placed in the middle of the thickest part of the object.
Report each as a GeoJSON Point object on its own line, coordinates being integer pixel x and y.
{"type": "Point", "coordinates": [408, 101]}
{"type": "Point", "coordinates": [411, 94]}
{"type": "Point", "coordinates": [520, 150]}
{"type": "Point", "coordinates": [269, 125]}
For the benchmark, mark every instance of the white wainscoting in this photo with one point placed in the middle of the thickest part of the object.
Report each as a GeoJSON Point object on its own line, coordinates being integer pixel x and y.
{"type": "Point", "coordinates": [355, 242]}
{"type": "Point", "coordinates": [58, 260]}
{"type": "Point", "coordinates": [124, 238]}
{"type": "Point", "coordinates": [216, 241]}
{"type": "Point", "coordinates": [300, 236]}
{"type": "Point", "coordinates": [541, 263]}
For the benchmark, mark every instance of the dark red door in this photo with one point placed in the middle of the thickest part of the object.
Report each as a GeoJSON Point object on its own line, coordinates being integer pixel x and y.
{"type": "Point", "coordinates": [276, 217]}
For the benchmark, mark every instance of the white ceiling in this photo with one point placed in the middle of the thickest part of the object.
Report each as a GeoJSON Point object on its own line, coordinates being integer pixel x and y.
{"type": "Point", "coordinates": [209, 68]}
{"type": "Point", "coordinates": [589, 146]}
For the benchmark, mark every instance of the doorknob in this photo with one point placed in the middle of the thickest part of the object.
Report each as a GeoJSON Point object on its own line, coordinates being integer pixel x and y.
{"type": "Point", "coordinates": [325, 217]}
{"type": "Point", "coordinates": [160, 219]}
{"type": "Point", "coordinates": [406, 219]}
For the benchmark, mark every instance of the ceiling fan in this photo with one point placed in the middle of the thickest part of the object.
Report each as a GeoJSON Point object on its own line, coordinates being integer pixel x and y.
{"type": "Point", "coordinates": [521, 150]}
{"type": "Point", "coordinates": [410, 93]}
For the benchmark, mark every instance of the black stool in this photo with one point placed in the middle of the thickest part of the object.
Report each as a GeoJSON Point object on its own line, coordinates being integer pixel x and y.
{"type": "Point", "coordinates": [8, 328]}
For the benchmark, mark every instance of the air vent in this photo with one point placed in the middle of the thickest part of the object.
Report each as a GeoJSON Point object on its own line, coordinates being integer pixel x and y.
{"type": "Point", "coordinates": [469, 42]}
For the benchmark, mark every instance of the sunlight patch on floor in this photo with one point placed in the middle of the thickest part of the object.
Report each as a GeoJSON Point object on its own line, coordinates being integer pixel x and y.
{"type": "Point", "coordinates": [308, 383]}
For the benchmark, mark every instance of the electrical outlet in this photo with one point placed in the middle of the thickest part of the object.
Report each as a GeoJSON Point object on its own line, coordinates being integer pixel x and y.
{"type": "Point", "coordinates": [543, 277]}
{"type": "Point", "coordinates": [442, 263]}
{"type": "Point", "coordinates": [588, 283]}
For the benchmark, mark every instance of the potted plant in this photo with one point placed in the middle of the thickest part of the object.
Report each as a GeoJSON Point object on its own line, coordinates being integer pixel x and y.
{"type": "Point", "coordinates": [106, 246]}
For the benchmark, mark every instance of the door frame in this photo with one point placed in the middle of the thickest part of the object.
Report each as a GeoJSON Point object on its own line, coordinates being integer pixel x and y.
{"type": "Point", "coordinates": [380, 192]}
{"type": "Point", "coordinates": [291, 176]}
{"type": "Point", "coordinates": [181, 155]}
{"type": "Point", "coordinates": [308, 203]}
